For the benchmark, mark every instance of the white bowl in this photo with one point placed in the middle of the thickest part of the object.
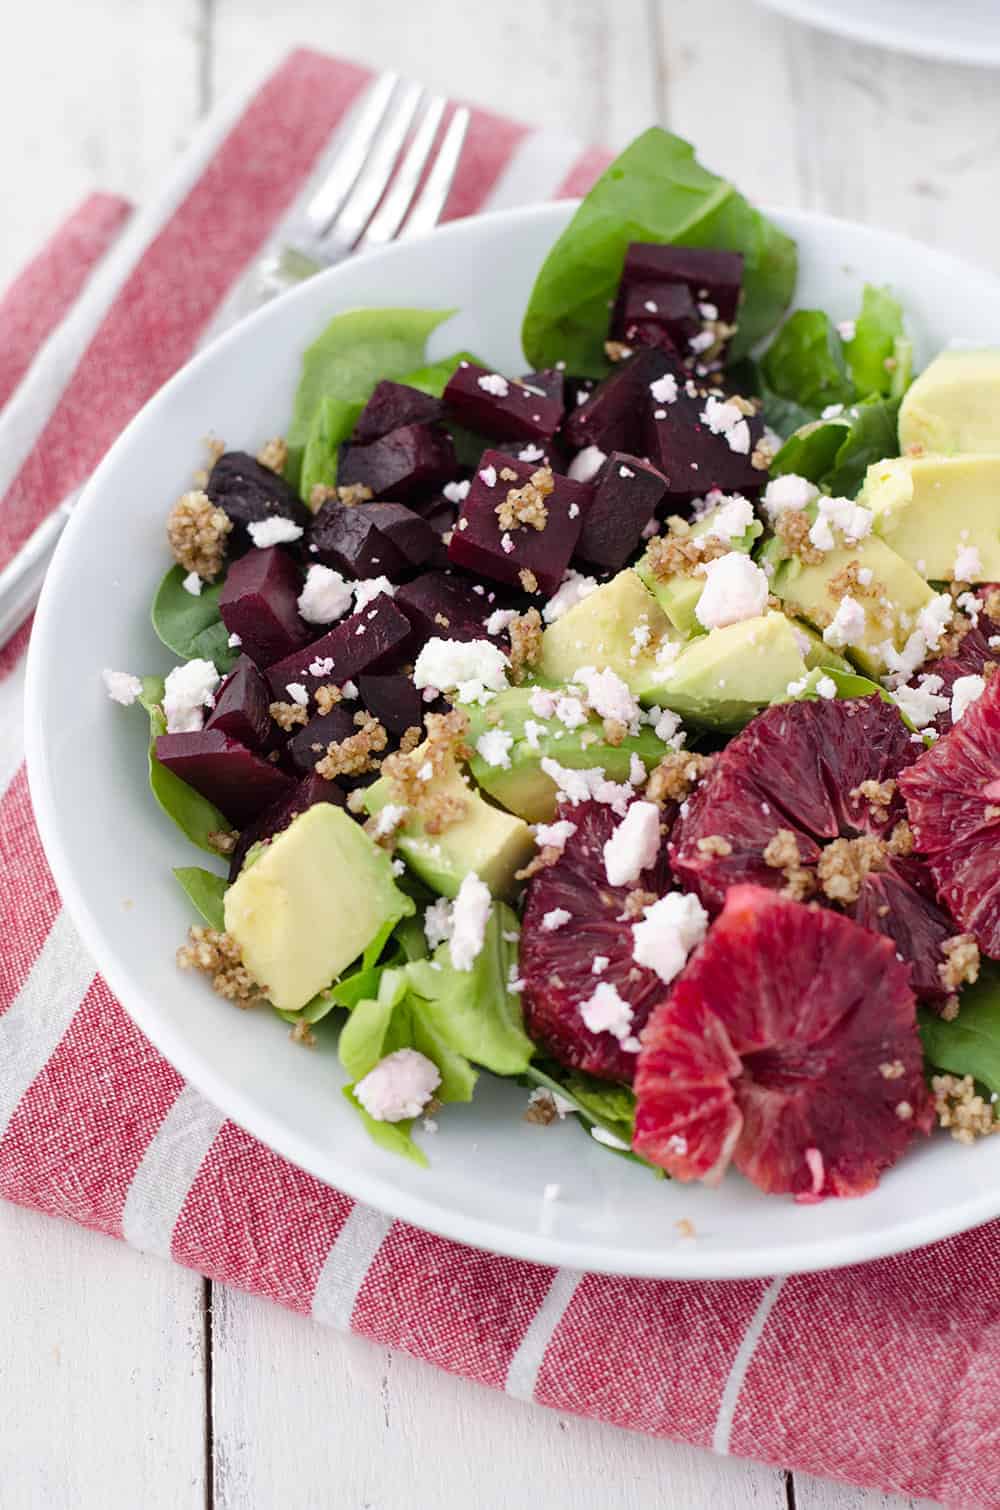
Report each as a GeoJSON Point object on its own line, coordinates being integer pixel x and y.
{"type": "Point", "coordinates": [112, 850]}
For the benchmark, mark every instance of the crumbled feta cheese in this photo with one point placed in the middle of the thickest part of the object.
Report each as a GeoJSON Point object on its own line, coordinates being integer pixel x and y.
{"type": "Point", "coordinates": [425, 772]}
{"type": "Point", "coordinates": [370, 588]}
{"type": "Point", "coordinates": [968, 565]}
{"type": "Point", "coordinates": [664, 389]}
{"type": "Point", "coordinates": [193, 584]}
{"type": "Point", "coordinates": [599, 964]}
{"type": "Point", "coordinates": [848, 625]}
{"type": "Point", "coordinates": [606, 1012]}
{"type": "Point", "coordinates": [589, 785]}
{"type": "Point", "coordinates": [493, 383]}
{"type": "Point", "coordinates": [298, 693]}
{"type": "Point", "coordinates": [530, 452]}
{"type": "Point", "coordinates": [640, 637]}
{"type": "Point", "coordinates": [349, 691]}
{"type": "Point", "coordinates": [472, 668]}
{"type": "Point", "coordinates": [437, 922]}
{"type": "Point", "coordinates": [573, 588]}
{"type": "Point", "coordinates": [506, 543]}
{"type": "Point", "coordinates": [542, 702]}
{"type": "Point", "coordinates": [188, 690]}
{"type": "Point", "coordinates": [399, 1086]}
{"type": "Point", "coordinates": [636, 770]}
{"type": "Point", "coordinates": [634, 845]}
{"type": "Point", "coordinates": [321, 666]}
{"type": "Point", "coordinates": [701, 342]}
{"type": "Point", "coordinates": [720, 416]}
{"type": "Point", "coordinates": [325, 596]}
{"type": "Point", "coordinates": [122, 687]}
{"type": "Point", "coordinates": [965, 690]}
{"type": "Point", "coordinates": [554, 835]}
{"type": "Point", "coordinates": [922, 703]}
{"type": "Point", "coordinates": [732, 518]}
{"type": "Point", "coordinates": [669, 930]}
{"type": "Point", "coordinates": [389, 819]}
{"type": "Point", "coordinates": [787, 492]}
{"type": "Point", "coordinates": [500, 619]}
{"type": "Point", "coordinates": [934, 618]}
{"type": "Point", "coordinates": [708, 311]}
{"type": "Point", "coordinates": [587, 463]}
{"type": "Point", "coordinates": [852, 520]}
{"type": "Point", "coordinates": [495, 747]}
{"type": "Point", "coordinates": [609, 696]}
{"type": "Point", "coordinates": [531, 733]}
{"type": "Point", "coordinates": [489, 476]}
{"type": "Point", "coordinates": [234, 641]}
{"type": "Point", "coordinates": [456, 492]}
{"type": "Point", "coordinates": [735, 589]}
{"type": "Point", "coordinates": [651, 528]}
{"type": "Point", "coordinates": [826, 687]}
{"type": "Point", "coordinates": [557, 918]}
{"type": "Point", "coordinates": [274, 530]}
{"type": "Point", "coordinates": [821, 534]}
{"type": "Point", "coordinates": [865, 575]}
{"type": "Point", "coordinates": [796, 688]}
{"type": "Point", "coordinates": [570, 712]}
{"type": "Point", "coordinates": [666, 725]}
{"type": "Point", "coordinates": [469, 915]}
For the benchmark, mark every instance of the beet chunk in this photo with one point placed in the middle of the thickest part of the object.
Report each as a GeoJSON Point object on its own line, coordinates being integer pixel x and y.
{"type": "Point", "coordinates": [440, 604]}
{"type": "Point", "coordinates": [480, 544]}
{"type": "Point", "coordinates": [711, 276]}
{"type": "Point", "coordinates": [499, 406]}
{"type": "Point", "coordinates": [239, 783]}
{"type": "Point", "coordinates": [248, 493]}
{"type": "Point", "coordinates": [656, 314]}
{"type": "Point", "coordinates": [259, 602]}
{"type": "Point", "coordinates": [306, 793]}
{"type": "Point", "coordinates": [324, 729]}
{"type": "Point", "coordinates": [612, 417]}
{"type": "Point", "coordinates": [391, 406]}
{"type": "Point", "coordinates": [371, 639]}
{"type": "Point", "coordinates": [370, 539]}
{"type": "Point", "coordinates": [241, 707]}
{"type": "Point", "coordinates": [401, 463]}
{"type": "Point", "coordinates": [693, 458]}
{"type": "Point", "coordinates": [550, 381]}
{"type": "Point", "coordinates": [626, 494]}
{"type": "Point", "coordinates": [394, 701]}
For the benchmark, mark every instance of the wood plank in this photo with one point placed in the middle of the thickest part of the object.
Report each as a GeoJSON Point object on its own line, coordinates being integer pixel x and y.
{"type": "Point", "coordinates": [352, 1423]}
{"type": "Point", "coordinates": [822, 1494]}
{"type": "Point", "coordinates": [102, 1387]}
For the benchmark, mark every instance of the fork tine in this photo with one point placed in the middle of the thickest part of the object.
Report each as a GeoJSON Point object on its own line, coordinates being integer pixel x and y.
{"type": "Point", "coordinates": [431, 201]}
{"type": "Point", "coordinates": [400, 196]}
{"type": "Point", "coordinates": [374, 176]}
{"type": "Point", "coordinates": [325, 204]}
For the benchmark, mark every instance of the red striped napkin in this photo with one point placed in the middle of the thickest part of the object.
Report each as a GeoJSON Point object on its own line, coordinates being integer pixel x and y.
{"type": "Point", "coordinates": [886, 1375]}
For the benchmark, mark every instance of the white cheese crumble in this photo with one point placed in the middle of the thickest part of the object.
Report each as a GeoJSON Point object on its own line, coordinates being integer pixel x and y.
{"type": "Point", "coordinates": [934, 618]}
{"type": "Point", "coordinates": [573, 588]}
{"type": "Point", "coordinates": [570, 712]}
{"type": "Point", "coordinates": [666, 725]}
{"type": "Point", "coordinates": [493, 383]}
{"type": "Point", "coordinates": [599, 964]}
{"type": "Point", "coordinates": [606, 1012]}
{"type": "Point", "coordinates": [193, 584]}
{"type": "Point", "coordinates": [437, 922]}
{"type": "Point", "coordinates": [456, 492]}
{"type": "Point", "coordinates": [298, 693]}
{"type": "Point", "coordinates": [530, 452]}
{"type": "Point", "coordinates": [188, 690]}
{"type": "Point", "coordinates": [554, 835]}
{"type": "Point", "coordinates": [609, 696]}
{"type": "Point", "coordinates": [389, 819]}
{"type": "Point", "coordinates": [848, 625]}
{"type": "Point", "coordinates": [469, 915]}
{"type": "Point", "coordinates": [590, 785]}
{"type": "Point", "coordinates": [826, 687]}
{"type": "Point", "coordinates": [532, 730]}
{"type": "Point", "coordinates": [234, 641]}
{"type": "Point", "coordinates": [587, 463]}
{"type": "Point", "coordinates": [370, 588]}
{"type": "Point", "coordinates": [500, 619]}
{"type": "Point", "coordinates": [968, 565]}
{"type": "Point", "coordinates": [664, 389]}
{"type": "Point", "coordinates": [325, 595]}
{"type": "Point", "coordinates": [489, 476]}
{"type": "Point", "coordinates": [472, 668]}
{"type": "Point", "coordinates": [495, 746]}
{"type": "Point", "coordinates": [634, 845]}
{"type": "Point", "coordinates": [543, 702]}
{"type": "Point", "coordinates": [121, 686]}
{"type": "Point", "coordinates": [669, 930]}
{"type": "Point", "coordinates": [724, 418]}
{"type": "Point", "coordinates": [275, 530]}
{"type": "Point", "coordinates": [731, 519]}
{"type": "Point", "coordinates": [557, 918]}
{"type": "Point", "coordinates": [965, 690]}
{"type": "Point", "coordinates": [735, 589]}
{"type": "Point", "coordinates": [506, 544]}
{"type": "Point", "coordinates": [321, 666]}
{"type": "Point", "coordinates": [787, 492]}
{"type": "Point", "coordinates": [922, 703]}
{"type": "Point", "coordinates": [853, 522]}
{"type": "Point", "coordinates": [399, 1086]}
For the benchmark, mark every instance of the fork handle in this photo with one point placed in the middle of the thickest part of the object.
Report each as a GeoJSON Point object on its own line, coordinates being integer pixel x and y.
{"type": "Point", "coordinates": [21, 579]}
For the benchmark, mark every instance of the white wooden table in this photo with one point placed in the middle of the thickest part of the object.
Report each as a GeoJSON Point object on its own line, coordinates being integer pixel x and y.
{"type": "Point", "coordinates": [126, 1382]}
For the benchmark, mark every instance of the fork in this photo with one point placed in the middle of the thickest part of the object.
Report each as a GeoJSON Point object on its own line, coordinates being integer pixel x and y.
{"type": "Point", "coordinates": [388, 179]}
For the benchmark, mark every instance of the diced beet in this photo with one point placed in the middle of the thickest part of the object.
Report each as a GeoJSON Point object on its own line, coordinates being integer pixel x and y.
{"type": "Point", "coordinates": [551, 381]}
{"type": "Point", "coordinates": [370, 539]}
{"type": "Point", "coordinates": [239, 783]}
{"type": "Point", "coordinates": [324, 729]}
{"type": "Point", "coordinates": [713, 277]}
{"type": "Point", "coordinates": [401, 464]}
{"type": "Point", "coordinates": [440, 605]}
{"type": "Point", "coordinates": [259, 602]}
{"type": "Point", "coordinates": [248, 493]}
{"type": "Point", "coordinates": [693, 459]}
{"type": "Point", "coordinates": [368, 640]}
{"type": "Point", "coordinates": [304, 794]}
{"type": "Point", "coordinates": [241, 707]}
{"type": "Point", "coordinates": [391, 406]}
{"type": "Point", "coordinates": [393, 700]}
{"type": "Point", "coordinates": [626, 494]}
{"type": "Point", "coordinates": [502, 407]}
{"type": "Point", "coordinates": [656, 314]}
{"type": "Point", "coordinates": [480, 545]}
{"type": "Point", "coordinates": [612, 417]}
{"type": "Point", "coordinates": [577, 391]}
{"type": "Point", "coordinates": [551, 454]}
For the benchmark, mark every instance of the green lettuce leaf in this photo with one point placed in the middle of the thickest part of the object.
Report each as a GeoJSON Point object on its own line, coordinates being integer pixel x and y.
{"type": "Point", "coordinates": [654, 191]}
{"type": "Point", "coordinates": [191, 626]}
{"type": "Point", "coordinates": [805, 362]}
{"type": "Point", "coordinates": [394, 1137]}
{"type": "Point", "coordinates": [836, 453]}
{"type": "Point", "coordinates": [434, 378]}
{"type": "Point", "coordinates": [970, 1044]}
{"type": "Point", "coordinates": [206, 891]}
{"type": "Point", "coordinates": [194, 815]}
{"type": "Point", "coordinates": [332, 423]}
{"type": "Point", "coordinates": [877, 330]}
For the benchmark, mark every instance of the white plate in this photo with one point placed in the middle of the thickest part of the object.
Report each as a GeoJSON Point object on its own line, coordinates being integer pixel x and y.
{"type": "Point", "coordinates": [946, 31]}
{"type": "Point", "coordinates": [112, 850]}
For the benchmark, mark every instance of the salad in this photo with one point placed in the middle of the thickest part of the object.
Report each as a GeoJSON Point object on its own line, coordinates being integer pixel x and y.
{"type": "Point", "coordinates": [626, 727]}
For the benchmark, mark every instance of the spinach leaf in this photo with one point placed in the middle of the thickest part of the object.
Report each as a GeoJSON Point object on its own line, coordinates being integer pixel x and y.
{"type": "Point", "coordinates": [332, 423]}
{"type": "Point", "coordinates": [655, 191]}
{"type": "Point", "coordinates": [349, 357]}
{"type": "Point", "coordinates": [596, 1103]}
{"type": "Point", "coordinates": [207, 891]}
{"type": "Point", "coordinates": [970, 1044]}
{"type": "Point", "coordinates": [194, 815]}
{"type": "Point", "coordinates": [836, 453]}
{"type": "Point", "coordinates": [394, 1137]}
{"type": "Point", "coordinates": [876, 331]}
{"type": "Point", "coordinates": [190, 625]}
{"type": "Point", "coordinates": [433, 379]}
{"type": "Point", "coordinates": [805, 362]}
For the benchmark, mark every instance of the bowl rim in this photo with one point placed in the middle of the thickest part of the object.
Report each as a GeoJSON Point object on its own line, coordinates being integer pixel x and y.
{"type": "Point", "coordinates": [677, 1262]}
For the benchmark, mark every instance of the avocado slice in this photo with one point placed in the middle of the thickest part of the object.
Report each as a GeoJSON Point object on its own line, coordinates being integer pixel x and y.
{"type": "Point", "coordinates": [485, 839]}
{"type": "Point", "coordinates": [723, 678]}
{"type": "Point", "coordinates": [954, 405]}
{"type": "Point", "coordinates": [929, 508]}
{"type": "Point", "coordinates": [297, 924]}
{"type": "Point", "coordinates": [521, 785]}
{"type": "Point", "coordinates": [678, 595]}
{"type": "Point", "coordinates": [601, 631]}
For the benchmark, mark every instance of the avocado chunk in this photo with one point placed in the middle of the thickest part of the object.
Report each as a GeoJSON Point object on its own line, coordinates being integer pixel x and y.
{"type": "Point", "coordinates": [484, 839]}
{"type": "Point", "coordinates": [723, 678]}
{"type": "Point", "coordinates": [891, 598]}
{"type": "Point", "coordinates": [678, 593]}
{"type": "Point", "coordinates": [296, 922]}
{"type": "Point", "coordinates": [941, 513]}
{"type": "Point", "coordinates": [608, 629]}
{"type": "Point", "coordinates": [954, 405]}
{"type": "Point", "coordinates": [513, 775]}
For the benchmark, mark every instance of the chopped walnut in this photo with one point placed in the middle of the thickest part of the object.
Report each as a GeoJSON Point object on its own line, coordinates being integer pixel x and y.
{"type": "Point", "coordinates": [525, 506]}
{"type": "Point", "coordinates": [355, 800]}
{"type": "Point", "coordinates": [953, 636]}
{"type": "Point", "coordinates": [782, 853]}
{"type": "Point", "coordinates": [218, 955]}
{"type": "Point", "coordinates": [762, 456]}
{"type": "Point", "coordinates": [677, 555]}
{"type": "Point", "coordinates": [845, 863]}
{"type": "Point", "coordinates": [991, 603]}
{"type": "Point", "coordinates": [197, 530]}
{"type": "Point", "coordinates": [904, 1111]}
{"type": "Point", "coordinates": [961, 962]}
{"type": "Point", "coordinates": [548, 855]}
{"type": "Point", "coordinates": [685, 1228]}
{"type": "Point", "coordinates": [445, 742]}
{"type": "Point", "coordinates": [848, 580]}
{"type": "Point", "coordinates": [353, 494]}
{"type": "Point", "coordinates": [288, 715]}
{"type": "Point", "coordinates": [507, 474]}
{"type": "Point", "coordinates": [541, 1108]}
{"type": "Point", "coordinates": [714, 844]}
{"type": "Point", "coordinates": [319, 494]}
{"type": "Point", "coordinates": [878, 794]}
{"type": "Point", "coordinates": [274, 455]}
{"type": "Point", "coordinates": [901, 839]}
{"type": "Point", "coordinates": [676, 776]}
{"type": "Point", "coordinates": [617, 351]}
{"type": "Point", "coordinates": [637, 901]}
{"type": "Point", "coordinates": [411, 738]}
{"type": "Point", "coordinates": [528, 580]}
{"type": "Point", "coordinates": [951, 1009]}
{"type": "Point", "coordinates": [440, 619]}
{"type": "Point", "coordinates": [354, 755]}
{"type": "Point", "coordinates": [327, 697]}
{"type": "Point", "coordinates": [525, 643]}
{"type": "Point", "coordinates": [614, 732]}
{"type": "Point", "coordinates": [892, 1069]}
{"type": "Point", "coordinates": [792, 529]}
{"type": "Point", "coordinates": [961, 1108]}
{"type": "Point", "coordinates": [303, 1033]}
{"type": "Point", "coordinates": [222, 841]}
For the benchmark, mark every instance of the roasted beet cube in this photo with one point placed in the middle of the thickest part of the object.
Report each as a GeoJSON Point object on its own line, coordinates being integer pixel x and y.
{"type": "Point", "coordinates": [503, 407]}
{"type": "Point", "coordinates": [239, 783]}
{"type": "Point", "coordinates": [512, 551]}
{"type": "Point", "coordinates": [552, 454]}
{"type": "Point", "coordinates": [304, 794]}
{"type": "Point", "coordinates": [248, 493]}
{"type": "Point", "coordinates": [440, 605]}
{"type": "Point", "coordinates": [370, 539]}
{"type": "Point", "coordinates": [371, 639]}
{"type": "Point", "coordinates": [626, 494]}
{"type": "Point", "coordinates": [391, 407]}
{"type": "Point", "coordinates": [612, 417]}
{"type": "Point", "coordinates": [700, 442]}
{"type": "Point", "coordinates": [714, 278]}
{"type": "Point", "coordinates": [394, 701]}
{"type": "Point", "coordinates": [551, 381]}
{"type": "Point", "coordinates": [656, 314]}
{"type": "Point", "coordinates": [259, 602]}
{"type": "Point", "coordinates": [241, 706]}
{"type": "Point", "coordinates": [404, 462]}
{"type": "Point", "coordinates": [324, 729]}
